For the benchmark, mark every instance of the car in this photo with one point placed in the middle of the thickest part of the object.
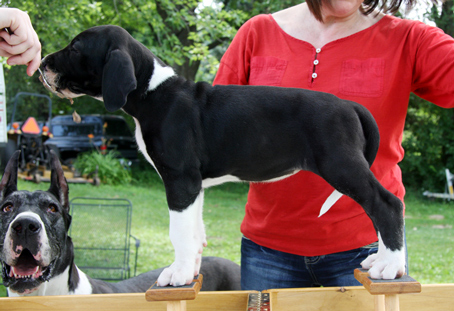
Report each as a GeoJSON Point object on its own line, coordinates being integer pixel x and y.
{"type": "Point", "coordinates": [93, 132]}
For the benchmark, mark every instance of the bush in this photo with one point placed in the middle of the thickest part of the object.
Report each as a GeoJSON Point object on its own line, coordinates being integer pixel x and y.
{"type": "Point", "coordinates": [428, 144]}
{"type": "Point", "coordinates": [110, 169]}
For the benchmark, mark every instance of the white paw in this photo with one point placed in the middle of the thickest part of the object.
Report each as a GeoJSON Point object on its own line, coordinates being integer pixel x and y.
{"type": "Point", "coordinates": [176, 275]}
{"type": "Point", "coordinates": [369, 261]}
{"type": "Point", "coordinates": [386, 265]}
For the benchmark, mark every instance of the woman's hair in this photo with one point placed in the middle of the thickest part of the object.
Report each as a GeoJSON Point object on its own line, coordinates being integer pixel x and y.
{"type": "Point", "coordinates": [368, 6]}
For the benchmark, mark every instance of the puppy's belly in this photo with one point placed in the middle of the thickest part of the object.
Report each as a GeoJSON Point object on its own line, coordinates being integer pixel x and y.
{"type": "Point", "coordinates": [210, 182]}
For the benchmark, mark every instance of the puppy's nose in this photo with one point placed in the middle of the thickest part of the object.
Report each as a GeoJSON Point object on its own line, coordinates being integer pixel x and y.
{"type": "Point", "coordinates": [26, 226]}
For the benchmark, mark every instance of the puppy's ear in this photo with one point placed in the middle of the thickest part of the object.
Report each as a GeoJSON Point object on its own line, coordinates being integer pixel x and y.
{"type": "Point", "coordinates": [118, 80]}
{"type": "Point", "coordinates": [58, 184]}
{"type": "Point", "coordinates": [8, 184]}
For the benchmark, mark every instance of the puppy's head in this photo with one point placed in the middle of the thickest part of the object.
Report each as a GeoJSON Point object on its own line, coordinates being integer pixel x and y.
{"type": "Point", "coordinates": [33, 229]}
{"type": "Point", "coordinates": [97, 63]}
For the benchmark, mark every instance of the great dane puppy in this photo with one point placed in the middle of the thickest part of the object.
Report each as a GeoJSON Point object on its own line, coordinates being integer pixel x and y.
{"type": "Point", "coordinates": [37, 254]}
{"type": "Point", "coordinates": [197, 135]}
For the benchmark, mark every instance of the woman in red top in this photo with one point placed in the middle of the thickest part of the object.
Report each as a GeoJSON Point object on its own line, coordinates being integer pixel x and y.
{"type": "Point", "coordinates": [374, 59]}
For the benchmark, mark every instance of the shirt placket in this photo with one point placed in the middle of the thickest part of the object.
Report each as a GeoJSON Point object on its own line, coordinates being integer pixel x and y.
{"type": "Point", "coordinates": [315, 65]}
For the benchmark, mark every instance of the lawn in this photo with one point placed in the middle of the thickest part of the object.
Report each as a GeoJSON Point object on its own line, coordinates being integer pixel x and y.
{"type": "Point", "coordinates": [429, 225]}
{"type": "Point", "coordinates": [430, 239]}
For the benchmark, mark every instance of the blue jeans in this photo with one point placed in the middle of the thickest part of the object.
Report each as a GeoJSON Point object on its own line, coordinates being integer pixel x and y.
{"type": "Point", "coordinates": [264, 268]}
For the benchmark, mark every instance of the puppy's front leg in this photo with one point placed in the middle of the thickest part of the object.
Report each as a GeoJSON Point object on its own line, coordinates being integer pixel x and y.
{"type": "Point", "coordinates": [187, 235]}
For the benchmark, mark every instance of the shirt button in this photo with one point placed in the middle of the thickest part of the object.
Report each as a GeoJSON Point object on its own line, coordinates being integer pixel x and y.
{"type": "Point", "coordinates": [318, 50]}
{"type": "Point", "coordinates": [316, 62]}
{"type": "Point", "coordinates": [314, 75]}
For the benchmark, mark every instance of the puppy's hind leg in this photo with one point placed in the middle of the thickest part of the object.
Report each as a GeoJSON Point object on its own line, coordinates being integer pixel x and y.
{"type": "Point", "coordinates": [187, 240]}
{"type": "Point", "coordinates": [354, 178]}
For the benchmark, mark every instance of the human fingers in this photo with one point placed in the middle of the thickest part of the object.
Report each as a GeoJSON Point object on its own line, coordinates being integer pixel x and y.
{"type": "Point", "coordinates": [34, 65]}
{"type": "Point", "coordinates": [28, 42]}
{"type": "Point", "coordinates": [24, 53]}
{"type": "Point", "coordinates": [20, 42]}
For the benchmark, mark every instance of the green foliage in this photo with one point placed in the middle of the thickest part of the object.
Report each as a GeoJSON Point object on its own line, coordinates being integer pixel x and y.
{"type": "Point", "coordinates": [110, 169]}
{"type": "Point", "coordinates": [443, 18]}
{"type": "Point", "coordinates": [428, 144]}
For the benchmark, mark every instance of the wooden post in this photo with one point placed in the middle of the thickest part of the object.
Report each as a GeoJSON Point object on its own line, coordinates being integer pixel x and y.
{"type": "Point", "coordinates": [386, 291]}
{"type": "Point", "coordinates": [175, 296]}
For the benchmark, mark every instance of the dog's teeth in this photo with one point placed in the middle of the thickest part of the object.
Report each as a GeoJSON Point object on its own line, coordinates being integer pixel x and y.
{"type": "Point", "coordinates": [35, 275]}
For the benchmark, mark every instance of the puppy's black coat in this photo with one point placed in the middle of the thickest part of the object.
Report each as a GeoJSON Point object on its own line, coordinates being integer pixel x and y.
{"type": "Point", "coordinates": [197, 135]}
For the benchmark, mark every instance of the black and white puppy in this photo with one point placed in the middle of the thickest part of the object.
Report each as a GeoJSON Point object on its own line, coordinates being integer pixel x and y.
{"type": "Point", "coordinates": [37, 254]}
{"type": "Point", "coordinates": [197, 135]}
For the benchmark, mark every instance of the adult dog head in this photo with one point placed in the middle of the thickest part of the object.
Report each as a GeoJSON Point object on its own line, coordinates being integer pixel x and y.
{"type": "Point", "coordinates": [33, 226]}
{"type": "Point", "coordinates": [98, 62]}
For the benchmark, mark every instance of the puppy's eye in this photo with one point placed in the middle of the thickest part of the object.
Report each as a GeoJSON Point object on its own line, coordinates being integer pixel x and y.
{"type": "Point", "coordinates": [7, 208]}
{"type": "Point", "coordinates": [52, 208]}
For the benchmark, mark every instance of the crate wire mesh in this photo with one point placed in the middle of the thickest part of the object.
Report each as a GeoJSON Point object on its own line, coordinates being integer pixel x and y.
{"type": "Point", "coordinates": [101, 234]}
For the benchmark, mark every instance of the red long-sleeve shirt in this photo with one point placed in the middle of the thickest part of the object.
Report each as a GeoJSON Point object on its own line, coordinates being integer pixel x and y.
{"type": "Point", "coordinates": [378, 68]}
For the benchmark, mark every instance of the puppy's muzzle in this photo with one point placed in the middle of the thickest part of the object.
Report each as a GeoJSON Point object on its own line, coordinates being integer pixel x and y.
{"type": "Point", "coordinates": [46, 83]}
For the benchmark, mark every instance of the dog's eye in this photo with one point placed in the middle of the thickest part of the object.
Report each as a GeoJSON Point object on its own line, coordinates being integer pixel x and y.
{"type": "Point", "coordinates": [7, 208]}
{"type": "Point", "coordinates": [52, 208]}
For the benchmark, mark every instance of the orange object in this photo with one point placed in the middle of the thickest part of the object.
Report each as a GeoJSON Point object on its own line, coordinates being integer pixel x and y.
{"type": "Point", "coordinates": [31, 126]}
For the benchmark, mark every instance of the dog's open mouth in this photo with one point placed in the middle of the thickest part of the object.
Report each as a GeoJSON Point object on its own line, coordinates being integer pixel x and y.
{"type": "Point", "coordinates": [26, 274]}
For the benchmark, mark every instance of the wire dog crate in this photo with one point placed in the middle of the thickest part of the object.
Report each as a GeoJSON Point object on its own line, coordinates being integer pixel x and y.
{"type": "Point", "coordinates": [101, 234]}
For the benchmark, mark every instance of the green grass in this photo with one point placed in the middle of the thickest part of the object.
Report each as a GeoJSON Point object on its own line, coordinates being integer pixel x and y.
{"type": "Point", "coordinates": [430, 238]}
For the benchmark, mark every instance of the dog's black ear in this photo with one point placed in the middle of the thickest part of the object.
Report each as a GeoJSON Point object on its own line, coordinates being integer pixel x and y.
{"type": "Point", "coordinates": [8, 184]}
{"type": "Point", "coordinates": [118, 80]}
{"type": "Point", "coordinates": [58, 184]}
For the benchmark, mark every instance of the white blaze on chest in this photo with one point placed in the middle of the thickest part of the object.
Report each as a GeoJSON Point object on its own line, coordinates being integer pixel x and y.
{"type": "Point", "coordinates": [160, 74]}
{"type": "Point", "coordinates": [141, 143]}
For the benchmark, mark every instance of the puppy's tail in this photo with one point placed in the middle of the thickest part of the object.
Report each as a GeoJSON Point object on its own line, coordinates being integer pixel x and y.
{"type": "Point", "coordinates": [330, 201]}
{"type": "Point", "coordinates": [371, 133]}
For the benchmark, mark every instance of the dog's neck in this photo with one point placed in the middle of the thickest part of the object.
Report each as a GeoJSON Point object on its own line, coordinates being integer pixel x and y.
{"type": "Point", "coordinates": [160, 74]}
